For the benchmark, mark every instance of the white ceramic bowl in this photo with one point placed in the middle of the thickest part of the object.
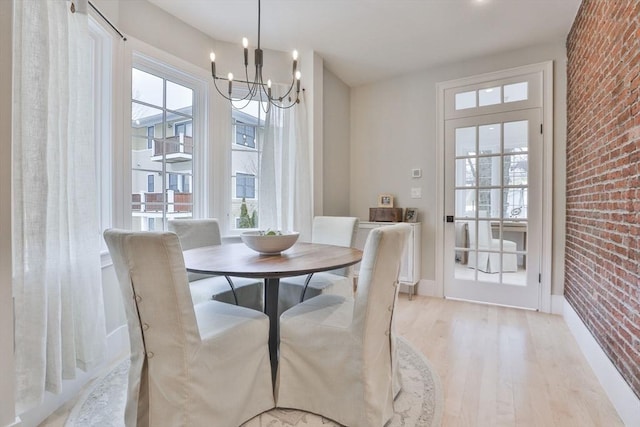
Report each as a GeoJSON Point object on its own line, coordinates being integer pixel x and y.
{"type": "Point", "coordinates": [269, 245]}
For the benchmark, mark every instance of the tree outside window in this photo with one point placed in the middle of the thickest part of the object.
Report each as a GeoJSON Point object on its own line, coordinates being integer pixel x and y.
{"type": "Point", "coordinates": [248, 123]}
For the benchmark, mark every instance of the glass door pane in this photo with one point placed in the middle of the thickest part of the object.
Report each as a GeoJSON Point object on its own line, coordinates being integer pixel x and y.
{"type": "Point", "coordinates": [161, 151]}
{"type": "Point", "coordinates": [488, 191]}
{"type": "Point", "coordinates": [491, 202]}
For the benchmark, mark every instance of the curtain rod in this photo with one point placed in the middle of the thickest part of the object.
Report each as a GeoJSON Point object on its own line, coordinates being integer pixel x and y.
{"type": "Point", "coordinates": [107, 21]}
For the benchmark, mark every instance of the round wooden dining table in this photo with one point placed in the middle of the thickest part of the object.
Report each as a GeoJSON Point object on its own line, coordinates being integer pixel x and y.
{"type": "Point", "coordinates": [236, 259]}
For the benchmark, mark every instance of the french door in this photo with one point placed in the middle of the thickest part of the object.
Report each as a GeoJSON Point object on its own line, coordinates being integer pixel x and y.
{"type": "Point", "coordinates": [493, 198]}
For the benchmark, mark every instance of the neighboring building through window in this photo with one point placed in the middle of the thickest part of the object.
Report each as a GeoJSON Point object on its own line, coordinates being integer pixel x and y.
{"type": "Point", "coordinates": [248, 123]}
{"type": "Point", "coordinates": [245, 134]}
{"type": "Point", "coordinates": [151, 131]}
{"type": "Point", "coordinates": [162, 140]}
{"type": "Point", "coordinates": [245, 186]}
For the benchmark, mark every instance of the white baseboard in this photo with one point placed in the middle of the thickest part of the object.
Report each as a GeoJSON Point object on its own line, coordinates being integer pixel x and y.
{"type": "Point", "coordinates": [428, 288]}
{"type": "Point", "coordinates": [118, 344]}
{"type": "Point", "coordinates": [557, 304]}
{"type": "Point", "coordinates": [16, 423]}
{"type": "Point", "coordinates": [620, 394]}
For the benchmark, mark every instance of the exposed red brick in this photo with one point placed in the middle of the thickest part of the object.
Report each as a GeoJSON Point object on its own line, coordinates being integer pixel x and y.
{"type": "Point", "coordinates": [602, 277]}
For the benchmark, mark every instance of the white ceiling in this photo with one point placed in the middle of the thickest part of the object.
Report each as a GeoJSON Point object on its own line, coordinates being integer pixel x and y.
{"type": "Point", "coordinates": [362, 41]}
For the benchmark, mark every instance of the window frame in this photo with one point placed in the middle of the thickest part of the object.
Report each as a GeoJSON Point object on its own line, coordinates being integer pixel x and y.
{"type": "Point", "coordinates": [232, 199]}
{"type": "Point", "coordinates": [152, 60]}
{"type": "Point", "coordinates": [104, 62]}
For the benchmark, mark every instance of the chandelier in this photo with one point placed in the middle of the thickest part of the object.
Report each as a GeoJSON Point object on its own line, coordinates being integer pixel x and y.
{"type": "Point", "coordinates": [257, 89]}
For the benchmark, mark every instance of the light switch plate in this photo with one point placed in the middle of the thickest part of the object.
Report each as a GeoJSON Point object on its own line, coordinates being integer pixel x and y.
{"type": "Point", "coordinates": [416, 192]}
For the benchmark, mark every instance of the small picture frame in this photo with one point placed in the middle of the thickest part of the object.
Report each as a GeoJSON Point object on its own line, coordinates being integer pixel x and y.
{"type": "Point", "coordinates": [410, 215]}
{"type": "Point", "coordinates": [385, 201]}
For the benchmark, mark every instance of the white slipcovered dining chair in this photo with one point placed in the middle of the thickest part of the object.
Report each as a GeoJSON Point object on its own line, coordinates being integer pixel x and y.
{"type": "Point", "coordinates": [196, 233]}
{"type": "Point", "coordinates": [489, 262]}
{"type": "Point", "coordinates": [199, 365]}
{"type": "Point", "coordinates": [336, 352]}
{"type": "Point", "coordinates": [328, 230]}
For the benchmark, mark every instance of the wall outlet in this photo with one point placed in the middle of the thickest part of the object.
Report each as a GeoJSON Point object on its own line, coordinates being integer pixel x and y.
{"type": "Point", "coordinates": [416, 173]}
{"type": "Point", "coordinates": [416, 192]}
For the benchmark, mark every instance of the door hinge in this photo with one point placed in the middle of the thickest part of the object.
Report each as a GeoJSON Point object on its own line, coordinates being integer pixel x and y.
{"type": "Point", "coordinates": [540, 128]}
{"type": "Point", "coordinates": [539, 277]}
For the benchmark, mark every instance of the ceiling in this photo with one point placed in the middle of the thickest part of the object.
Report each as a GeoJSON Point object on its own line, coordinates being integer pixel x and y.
{"type": "Point", "coordinates": [363, 41]}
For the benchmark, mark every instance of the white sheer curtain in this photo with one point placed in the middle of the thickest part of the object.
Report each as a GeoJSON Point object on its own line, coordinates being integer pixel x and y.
{"type": "Point", "coordinates": [59, 313]}
{"type": "Point", "coordinates": [285, 172]}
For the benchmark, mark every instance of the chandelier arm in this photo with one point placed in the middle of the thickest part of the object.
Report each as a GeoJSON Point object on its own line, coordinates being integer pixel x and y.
{"type": "Point", "coordinates": [218, 89]}
{"type": "Point", "coordinates": [234, 80]}
{"type": "Point", "coordinates": [248, 96]}
{"type": "Point", "coordinates": [242, 107]}
{"type": "Point", "coordinates": [277, 102]}
{"type": "Point", "coordinates": [264, 108]}
{"type": "Point", "coordinates": [289, 90]}
{"type": "Point", "coordinates": [257, 82]}
{"type": "Point", "coordinates": [286, 107]}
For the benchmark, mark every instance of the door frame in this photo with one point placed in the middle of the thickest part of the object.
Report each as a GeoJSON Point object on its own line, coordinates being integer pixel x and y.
{"type": "Point", "coordinates": [546, 69]}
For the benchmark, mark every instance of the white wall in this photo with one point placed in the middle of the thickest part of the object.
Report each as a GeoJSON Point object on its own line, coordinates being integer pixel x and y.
{"type": "Point", "coordinates": [154, 26]}
{"type": "Point", "coordinates": [393, 129]}
{"type": "Point", "coordinates": [336, 134]}
{"type": "Point", "coordinates": [7, 397]}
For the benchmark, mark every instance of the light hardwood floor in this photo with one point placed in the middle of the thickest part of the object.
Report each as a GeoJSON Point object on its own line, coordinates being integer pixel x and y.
{"type": "Point", "coordinates": [502, 366]}
{"type": "Point", "coordinates": [498, 366]}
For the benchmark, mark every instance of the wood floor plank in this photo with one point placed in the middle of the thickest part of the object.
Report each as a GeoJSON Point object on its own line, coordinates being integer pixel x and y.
{"type": "Point", "coordinates": [503, 366]}
{"type": "Point", "coordinates": [498, 366]}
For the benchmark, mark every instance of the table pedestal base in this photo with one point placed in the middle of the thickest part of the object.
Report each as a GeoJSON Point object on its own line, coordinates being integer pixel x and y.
{"type": "Point", "coordinates": [271, 309]}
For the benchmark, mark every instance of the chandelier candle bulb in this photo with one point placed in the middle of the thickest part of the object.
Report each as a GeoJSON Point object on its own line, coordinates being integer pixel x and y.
{"type": "Point", "coordinates": [245, 45]}
{"type": "Point", "coordinates": [269, 88]}
{"type": "Point", "coordinates": [230, 77]}
{"type": "Point", "coordinates": [213, 64]}
{"type": "Point", "coordinates": [298, 75]}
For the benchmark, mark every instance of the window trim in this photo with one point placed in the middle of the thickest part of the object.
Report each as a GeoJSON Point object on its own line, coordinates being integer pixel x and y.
{"type": "Point", "coordinates": [231, 146]}
{"type": "Point", "coordinates": [104, 61]}
{"type": "Point", "coordinates": [152, 60]}
{"type": "Point", "coordinates": [444, 110]}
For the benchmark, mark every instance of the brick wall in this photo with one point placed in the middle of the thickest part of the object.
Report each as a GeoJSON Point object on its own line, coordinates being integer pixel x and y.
{"type": "Point", "coordinates": [602, 277]}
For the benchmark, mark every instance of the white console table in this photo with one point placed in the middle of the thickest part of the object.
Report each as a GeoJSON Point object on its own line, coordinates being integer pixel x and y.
{"type": "Point", "coordinates": [410, 267]}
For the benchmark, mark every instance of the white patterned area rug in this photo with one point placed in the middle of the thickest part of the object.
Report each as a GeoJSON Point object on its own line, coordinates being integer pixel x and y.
{"type": "Point", "coordinates": [419, 404]}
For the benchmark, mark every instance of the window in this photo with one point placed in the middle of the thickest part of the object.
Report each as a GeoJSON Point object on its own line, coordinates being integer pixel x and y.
{"type": "Point", "coordinates": [162, 142]}
{"type": "Point", "coordinates": [151, 130]}
{"type": "Point", "coordinates": [185, 183]}
{"type": "Point", "coordinates": [245, 186]}
{"type": "Point", "coordinates": [173, 182]}
{"type": "Point", "coordinates": [245, 135]}
{"type": "Point", "coordinates": [492, 96]}
{"type": "Point", "coordinates": [185, 129]}
{"type": "Point", "coordinates": [248, 123]}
